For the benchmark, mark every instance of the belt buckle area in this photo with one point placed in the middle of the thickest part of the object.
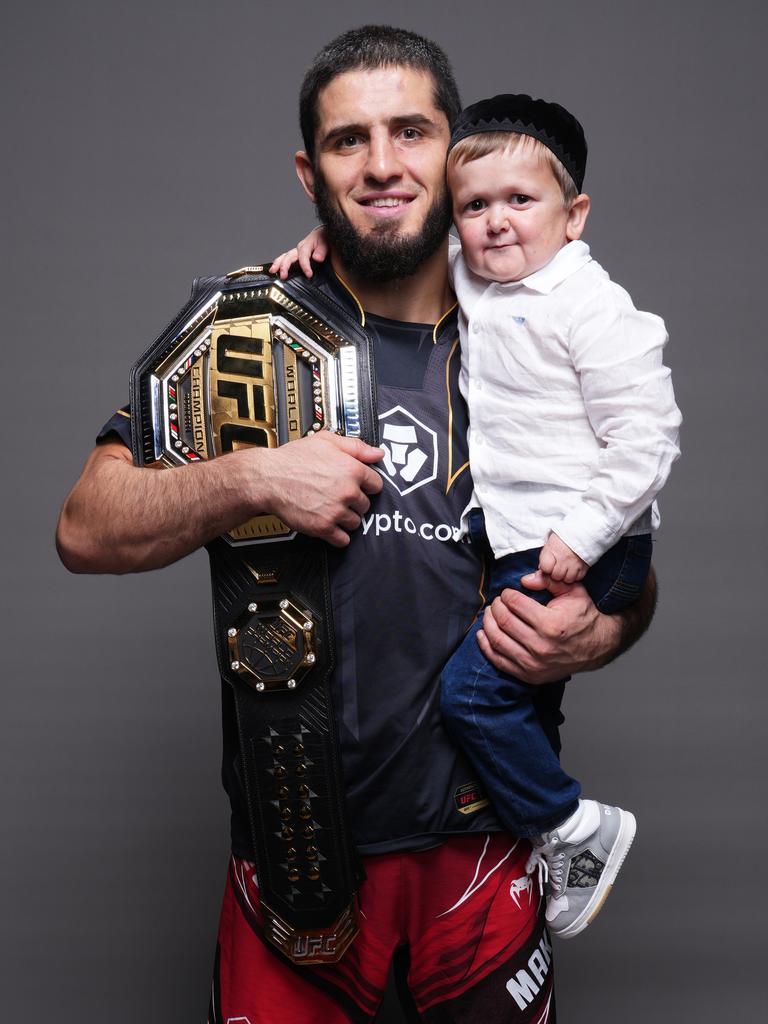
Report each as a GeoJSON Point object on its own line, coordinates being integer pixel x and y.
{"type": "Point", "coordinates": [313, 945]}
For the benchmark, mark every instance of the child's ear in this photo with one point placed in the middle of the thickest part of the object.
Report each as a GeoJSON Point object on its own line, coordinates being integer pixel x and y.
{"type": "Point", "coordinates": [577, 217]}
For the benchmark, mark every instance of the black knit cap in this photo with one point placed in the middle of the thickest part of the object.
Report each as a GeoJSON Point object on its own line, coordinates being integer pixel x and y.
{"type": "Point", "coordinates": [550, 123]}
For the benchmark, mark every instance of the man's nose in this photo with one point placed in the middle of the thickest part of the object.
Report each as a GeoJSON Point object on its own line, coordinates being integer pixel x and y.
{"type": "Point", "coordinates": [383, 162]}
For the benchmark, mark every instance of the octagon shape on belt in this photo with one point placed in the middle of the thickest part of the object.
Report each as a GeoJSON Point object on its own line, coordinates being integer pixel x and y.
{"type": "Point", "coordinates": [248, 367]}
{"type": "Point", "coordinates": [271, 644]}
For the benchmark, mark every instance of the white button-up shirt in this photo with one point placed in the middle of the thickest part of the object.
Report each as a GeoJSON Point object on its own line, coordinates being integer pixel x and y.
{"type": "Point", "coordinates": [573, 421]}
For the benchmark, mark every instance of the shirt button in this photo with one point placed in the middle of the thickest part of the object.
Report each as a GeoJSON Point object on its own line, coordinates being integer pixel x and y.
{"type": "Point", "coordinates": [475, 328]}
{"type": "Point", "coordinates": [478, 438]}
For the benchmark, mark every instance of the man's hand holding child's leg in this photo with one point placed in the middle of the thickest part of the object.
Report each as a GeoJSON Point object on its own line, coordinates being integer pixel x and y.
{"type": "Point", "coordinates": [560, 563]}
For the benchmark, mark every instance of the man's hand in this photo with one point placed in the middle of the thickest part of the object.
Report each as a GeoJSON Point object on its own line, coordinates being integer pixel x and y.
{"type": "Point", "coordinates": [560, 563]}
{"type": "Point", "coordinates": [320, 484]}
{"type": "Point", "coordinates": [543, 643]}
{"type": "Point", "coordinates": [313, 246]}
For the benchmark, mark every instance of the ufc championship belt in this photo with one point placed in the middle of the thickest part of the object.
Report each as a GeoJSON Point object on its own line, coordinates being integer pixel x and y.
{"type": "Point", "coordinates": [252, 360]}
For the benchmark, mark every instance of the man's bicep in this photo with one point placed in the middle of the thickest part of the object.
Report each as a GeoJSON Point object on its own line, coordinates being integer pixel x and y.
{"type": "Point", "coordinates": [112, 448]}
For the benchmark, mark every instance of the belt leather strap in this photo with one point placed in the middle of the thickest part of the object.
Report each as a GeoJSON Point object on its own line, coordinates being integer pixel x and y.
{"type": "Point", "coordinates": [307, 866]}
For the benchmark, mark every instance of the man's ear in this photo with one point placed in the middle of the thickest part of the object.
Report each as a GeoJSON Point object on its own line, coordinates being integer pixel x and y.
{"type": "Point", "coordinates": [577, 217]}
{"type": "Point", "coordinates": [306, 173]}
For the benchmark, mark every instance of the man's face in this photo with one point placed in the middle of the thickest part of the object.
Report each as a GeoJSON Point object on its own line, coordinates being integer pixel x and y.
{"type": "Point", "coordinates": [378, 178]}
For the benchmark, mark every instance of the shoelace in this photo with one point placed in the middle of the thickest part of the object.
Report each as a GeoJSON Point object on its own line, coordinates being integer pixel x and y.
{"type": "Point", "coordinates": [548, 864]}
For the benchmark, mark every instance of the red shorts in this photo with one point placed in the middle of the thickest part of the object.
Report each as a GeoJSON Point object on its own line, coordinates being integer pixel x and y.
{"type": "Point", "coordinates": [463, 922]}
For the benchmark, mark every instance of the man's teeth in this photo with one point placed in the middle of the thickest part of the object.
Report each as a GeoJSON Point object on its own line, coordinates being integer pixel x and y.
{"type": "Point", "coordinates": [391, 201]}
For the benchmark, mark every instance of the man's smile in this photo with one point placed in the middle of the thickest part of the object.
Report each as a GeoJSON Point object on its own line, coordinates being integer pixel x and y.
{"type": "Point", "coordinates": [385, 205]}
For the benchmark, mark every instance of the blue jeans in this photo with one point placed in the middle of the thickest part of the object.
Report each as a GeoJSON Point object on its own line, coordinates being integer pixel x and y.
{"type": "Point", "coordinates": [509, 728]}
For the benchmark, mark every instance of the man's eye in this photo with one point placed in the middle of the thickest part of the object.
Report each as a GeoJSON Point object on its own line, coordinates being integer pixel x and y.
{"type": "Point", "coordinates": [347, 141]}
{"type": "Point", "coordinates": [410, 133]}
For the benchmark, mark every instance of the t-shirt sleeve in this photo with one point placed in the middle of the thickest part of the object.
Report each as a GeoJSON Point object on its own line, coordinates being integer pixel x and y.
{"type": "Point", "coordinates": [117, 427]}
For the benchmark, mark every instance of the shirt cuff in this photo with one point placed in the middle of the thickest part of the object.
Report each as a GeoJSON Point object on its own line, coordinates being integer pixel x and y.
{"type": "Point", "coordinates": [587, 533]}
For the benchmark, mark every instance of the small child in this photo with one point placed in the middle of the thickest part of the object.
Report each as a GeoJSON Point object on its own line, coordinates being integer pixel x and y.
{"type": "Point", "coordinates": [573, 430]}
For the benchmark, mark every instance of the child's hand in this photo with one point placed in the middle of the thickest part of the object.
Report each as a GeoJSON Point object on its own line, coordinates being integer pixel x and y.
{"type": "Point", "coordinates": [560, 563]}
{"type": "Point", "coordinates": [313, 247]}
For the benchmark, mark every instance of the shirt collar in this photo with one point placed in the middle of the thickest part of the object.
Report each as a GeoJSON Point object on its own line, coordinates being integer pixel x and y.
{"type": "Point", "coordinates": [565, 262]}
{"type": "Point", "coordinates": [331, 284]}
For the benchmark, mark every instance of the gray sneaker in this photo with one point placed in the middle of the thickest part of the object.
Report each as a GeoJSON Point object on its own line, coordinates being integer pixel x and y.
{"type": "Point", "coordinates": [581, 870]}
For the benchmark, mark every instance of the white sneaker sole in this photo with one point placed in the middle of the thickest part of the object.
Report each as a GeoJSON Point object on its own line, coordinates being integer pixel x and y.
{"type": "Point", "coordinates": [627, 829]}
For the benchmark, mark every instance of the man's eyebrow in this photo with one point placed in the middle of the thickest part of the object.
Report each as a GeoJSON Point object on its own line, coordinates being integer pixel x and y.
{"type": "Point", "coordinates": [418, 120]}
{"type": "Point", "coordinates": [339, 130]}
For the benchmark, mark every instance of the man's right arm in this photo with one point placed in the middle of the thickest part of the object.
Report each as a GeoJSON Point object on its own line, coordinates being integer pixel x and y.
{"type": "Point", "coordinates": [124, 518]}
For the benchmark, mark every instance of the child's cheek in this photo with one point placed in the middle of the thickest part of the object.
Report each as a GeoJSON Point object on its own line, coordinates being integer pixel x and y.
{"type": "Point", "coordinates": [470, 247]}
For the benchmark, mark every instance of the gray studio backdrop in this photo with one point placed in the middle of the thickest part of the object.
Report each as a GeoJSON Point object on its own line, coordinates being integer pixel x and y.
{"type": "Point", "coordinates": [148, 143]}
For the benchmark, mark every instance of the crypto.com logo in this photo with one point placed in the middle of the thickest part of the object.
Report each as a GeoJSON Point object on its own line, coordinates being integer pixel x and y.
{"type": "Point", "coordinates": [410, 450]}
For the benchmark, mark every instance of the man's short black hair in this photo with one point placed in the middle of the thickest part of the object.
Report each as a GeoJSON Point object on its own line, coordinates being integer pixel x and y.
{"type": "Point", "coordinates": [375, 46]}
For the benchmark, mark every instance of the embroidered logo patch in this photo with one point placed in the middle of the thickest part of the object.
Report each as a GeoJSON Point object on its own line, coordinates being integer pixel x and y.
{"type": "Point", "coordinates": [469, 798]}
{"type": "Point", "coordinates": [585, 871]}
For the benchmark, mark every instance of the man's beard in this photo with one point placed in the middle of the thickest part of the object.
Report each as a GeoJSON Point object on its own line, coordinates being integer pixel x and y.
{"type": "Point", "coordinates": [382, 255]}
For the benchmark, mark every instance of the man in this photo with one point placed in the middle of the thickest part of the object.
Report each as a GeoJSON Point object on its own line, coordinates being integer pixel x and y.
{"type": "Point", "coordinates": [446, 893]}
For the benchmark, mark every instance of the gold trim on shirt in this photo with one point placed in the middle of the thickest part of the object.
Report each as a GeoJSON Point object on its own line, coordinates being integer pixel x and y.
{"type": "Point", "coordinates": [452, 477]}
{"type": "Point", "coordinates": [357, 301]}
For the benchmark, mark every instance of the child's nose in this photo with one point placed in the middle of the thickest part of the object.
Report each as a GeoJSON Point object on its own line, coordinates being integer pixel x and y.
{"type": "Point", "coordinates": [498, 219]}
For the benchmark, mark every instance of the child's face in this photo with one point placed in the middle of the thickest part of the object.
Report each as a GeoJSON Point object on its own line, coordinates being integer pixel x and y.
{"type": "Point", "coordinates": [509, 212]}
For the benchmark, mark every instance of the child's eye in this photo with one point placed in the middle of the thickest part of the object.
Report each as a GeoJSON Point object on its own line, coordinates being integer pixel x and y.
{"type": "Point", "coordinates": [519, 199]}
{"type": "Point", "coordinates": [475, 206]}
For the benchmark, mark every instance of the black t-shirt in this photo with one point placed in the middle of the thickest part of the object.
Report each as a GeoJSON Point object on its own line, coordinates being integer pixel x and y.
{"type": "Point", "coordinates": [404, 592]}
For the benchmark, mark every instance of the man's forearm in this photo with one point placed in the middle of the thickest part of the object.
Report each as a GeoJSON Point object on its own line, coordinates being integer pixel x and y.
{"type": "Point", "coordinates": [122, 518]}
